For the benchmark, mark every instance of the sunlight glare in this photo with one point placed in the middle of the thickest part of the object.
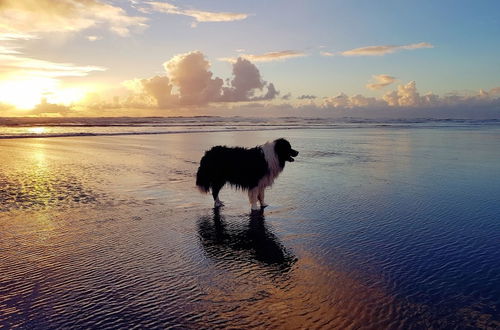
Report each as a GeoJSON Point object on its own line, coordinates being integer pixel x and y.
{"type": "Point", "coordinates": [26, 93]}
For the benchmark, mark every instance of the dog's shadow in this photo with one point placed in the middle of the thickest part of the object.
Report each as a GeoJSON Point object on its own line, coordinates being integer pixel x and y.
{"type": "Point", "coordinates": [247, 239]}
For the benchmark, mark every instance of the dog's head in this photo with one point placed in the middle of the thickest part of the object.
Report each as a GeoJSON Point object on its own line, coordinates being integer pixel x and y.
{"type": "Point", "coordinates": [284, 151]}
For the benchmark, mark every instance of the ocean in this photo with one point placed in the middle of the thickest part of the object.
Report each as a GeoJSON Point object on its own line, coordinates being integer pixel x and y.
{"type": "Point", "coordinates": [377, 224]}
{"type": "Point", "coordinates": [27, 127]}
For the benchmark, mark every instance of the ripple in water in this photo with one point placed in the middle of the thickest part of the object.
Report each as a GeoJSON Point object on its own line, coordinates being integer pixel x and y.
{"type": "Point", "coordinates": [34, 191]}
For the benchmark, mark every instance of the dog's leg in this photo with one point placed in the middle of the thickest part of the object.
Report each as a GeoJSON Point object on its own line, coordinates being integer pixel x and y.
{"type": "Point", "coordinates": [215, 193]}
{"type": "Point", "coordinates": [252, 196]}
{"type": "Point", "coordinates": [260, 196]}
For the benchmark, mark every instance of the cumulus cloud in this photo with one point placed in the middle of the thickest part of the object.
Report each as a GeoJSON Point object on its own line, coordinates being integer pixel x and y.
{"type": "Point", "coordinates": [405, 96]}
{"type": "Point", "coordinates": [345, 102]}
{"type": "Point", "coordinates": [191, 83]}
{"type": "Point", "coordinates": [381, 81]}
{"type": "Point", "coordinates": [272, 92]}
{"type": "Point", "coordinates": [491, 93]}
{"type": "Point", "coordinates": [37, 16]}
{"type": "Point", "coordinates": [407, 102]}
{"type": "Point", "coordinates": [266, 57]}
{"type": "Point", "coordinates": [46, 109]}
{"type": "Point", "coordinates": [383, 50]}
{"type": "Point", "coordinates": [408, 96]}
{"type": "Point", "coordinates": [339, 101]}
{"type": "Point", "coordinates": [198, 15]}
{"type": "Point", "coordinates": [246, 79]}
{"type": "Point", "coordinates": [190, 73]}
{"type": "Point", "coordinates": [160, 89]}
{"type": "Point", "coordinates": [495, 91]}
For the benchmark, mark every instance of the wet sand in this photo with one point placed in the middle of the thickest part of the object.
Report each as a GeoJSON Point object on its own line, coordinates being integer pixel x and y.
{"type": "Point", "coordinates": [373, 228]}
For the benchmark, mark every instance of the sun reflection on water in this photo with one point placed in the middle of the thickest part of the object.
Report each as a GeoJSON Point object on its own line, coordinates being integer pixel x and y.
{"type": "Point", "coordinates": [37, 130]}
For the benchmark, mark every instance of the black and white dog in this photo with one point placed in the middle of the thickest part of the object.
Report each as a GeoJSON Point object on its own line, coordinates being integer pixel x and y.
{"type": "Point", "coordinates": [248, 169]}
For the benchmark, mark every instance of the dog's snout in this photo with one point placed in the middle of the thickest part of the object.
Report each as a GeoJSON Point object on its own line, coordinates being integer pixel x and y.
{"type": "Point", "coordinates": [294, 153]}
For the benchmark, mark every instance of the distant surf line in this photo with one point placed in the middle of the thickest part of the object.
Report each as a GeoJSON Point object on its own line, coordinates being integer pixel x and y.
{"type": "Point", "coordinates": [238, 128]}
{"type": "Point", "coordinates": [88, 134]}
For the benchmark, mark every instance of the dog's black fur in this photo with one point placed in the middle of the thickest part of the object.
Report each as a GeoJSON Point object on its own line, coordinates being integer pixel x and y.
{"type": "Point", "coordinates": [242, 168]}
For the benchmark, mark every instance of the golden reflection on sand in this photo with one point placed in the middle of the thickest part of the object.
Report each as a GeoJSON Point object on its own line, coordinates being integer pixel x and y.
{"type": "Point", "coordinates": [39, 155]}
{"type": "Point", "coordinates": [312, 295]}
{"type": "Point", "coordinates": [43, 226]}
{"type": "Point", "coordinates": [39, 176]}
{"type": "Point", "coordinates": [263, 278]}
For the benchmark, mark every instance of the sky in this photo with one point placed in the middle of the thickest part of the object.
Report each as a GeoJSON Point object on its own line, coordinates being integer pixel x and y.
{"type": "Point", "coordinates": [366, 58]}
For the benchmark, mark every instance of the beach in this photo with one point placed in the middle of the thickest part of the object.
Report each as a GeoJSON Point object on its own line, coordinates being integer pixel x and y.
{"type": "Point", "coordinates": [372, 226]}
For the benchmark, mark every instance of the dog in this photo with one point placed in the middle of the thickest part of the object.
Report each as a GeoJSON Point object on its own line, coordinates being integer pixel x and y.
{"type": "Point", "coordinates": [251, 169]}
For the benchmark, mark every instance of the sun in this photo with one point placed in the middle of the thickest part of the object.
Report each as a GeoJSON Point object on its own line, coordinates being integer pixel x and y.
{"type": "Point", "coordinates": [27, 93]}
{"type": "Point", "coordinates": [23, 93]}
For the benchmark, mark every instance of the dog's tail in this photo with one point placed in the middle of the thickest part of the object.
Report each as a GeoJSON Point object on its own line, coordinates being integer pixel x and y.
{"type": "Point", "coordinates": [203, 177]}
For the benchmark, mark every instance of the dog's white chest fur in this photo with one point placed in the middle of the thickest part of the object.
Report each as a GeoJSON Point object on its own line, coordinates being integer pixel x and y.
{"type": "Point", "coordinates": [272, 163]}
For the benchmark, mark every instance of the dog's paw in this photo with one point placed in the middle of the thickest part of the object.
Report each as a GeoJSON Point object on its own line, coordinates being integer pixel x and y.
{"type": "Point", "coordinates": [255, 208]}
{"type": "Point", "coordinates": [218, 204]}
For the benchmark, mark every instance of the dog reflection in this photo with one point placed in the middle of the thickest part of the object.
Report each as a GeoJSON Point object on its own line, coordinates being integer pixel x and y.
{"type": "Point", "coordinates": [240, 240]}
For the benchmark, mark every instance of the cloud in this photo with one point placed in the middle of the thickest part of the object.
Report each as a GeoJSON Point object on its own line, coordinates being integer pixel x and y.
{"type": "Point", "coordinates": [15, 65]}
{"type": "Point", "coordinates": [325, 53]}
{"type": "Point", "coordinates": [198, 15]}
{"type": "Point", "coordinates": [267, 57]}
{"type": "Point", "coordinates": [381, 81]}
{"type": "Point", "coordinates": [409, 103]}
{"type": "Point", "coordinates": [25, 80]}
{"type": "Point", "coordinates": [191, 83]}
{"type": "Point", "coordinates": [307, 97]}
{"type": "Point", "coordinates": [160, 89]}
{"type": "Point", "coordinates": [271, 94]}
{"type": "Point", "coordinates": [8, 40]}
{"type": "Point", "coordinates": [383, 50]}
{"type": "Point", "coordinates": [40, 16]}
{"type": "Point", "coordinates": [190, 73]}
{"type": "Point", "coordinates": [147, 93]}
{"type": "Point", "coordinates": [246, 79]}
{"type": "Point", "coordinates": [46, 109]}
{"type": "Point", "coordinates": [495, 91]}
{"type": "Point", "coordinates": [346, 102]}
{"type": "Point", "coordinates": [274, 56]}
{"type": "Point", "coordinates": [93, 38]}
{"type": "Point", "coordinates": [16, 36]}
{"type": "Point", "coordinates": [405, 96]}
